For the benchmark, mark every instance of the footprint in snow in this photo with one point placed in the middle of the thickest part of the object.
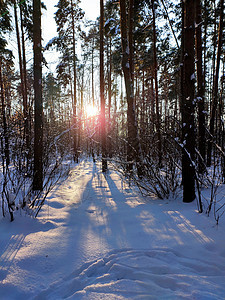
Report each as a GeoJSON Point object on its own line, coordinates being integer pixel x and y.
{"type": "Point", "coordinates": [90, 211]}
{"type": "Point", "coordinates": [142, 274]}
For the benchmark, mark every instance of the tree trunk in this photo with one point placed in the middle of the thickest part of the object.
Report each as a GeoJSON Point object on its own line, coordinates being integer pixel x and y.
{"type": "Point", "coordinates": [81, 108]}
{"type": "Point", "coordinates": [152, 118]}
{"type": "Point", "coordinates": [205, 59]}
{"type": "Point", "coordinates": [75, 141]}
{"type": "Point", "coordinates": [92, 93]}
{"type": "Point", "coordinates": [25, 104]}
{"type": "Point", "coordinates": [92, 73]}
{"type": "Point", "coordinates": [38, 102]}
{"type": "Point", "coordinates": [22, 74]}
{"type": "Point", "coordinates": [109, 94]}
{"type": "Point", "coordinates": [200, 86]}
{"type": "Point", "coordinates": [102, 96]}
{"type": "Point", "coordinates": [221, 123]}
{"type": "Point", "coordinates": [187, 108]}
{"type": "Point", "coordinates": [19, 49]}
{"type": "Point", "coordinates": [158, 121]}
{"type": "Point", "coordinates": [131, 41]}
{"type": "Point", "coordinates": [133, 147]}
{"type": "Point", "coordinates": [215, 85]}
{"type": "Point", "coordinates": [5, 126]}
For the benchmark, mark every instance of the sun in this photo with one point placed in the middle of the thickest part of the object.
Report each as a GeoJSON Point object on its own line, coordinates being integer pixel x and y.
{"type": "Point", "coordinates": [91, 111]}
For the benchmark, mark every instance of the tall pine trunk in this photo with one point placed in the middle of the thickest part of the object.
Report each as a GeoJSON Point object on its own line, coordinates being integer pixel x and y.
{"type": "Point", "coordinates": [158, 121]}
{"type": "Point", "coordinates": [215, 86]}
{"type": "Point", "coordinates": [75, 123]}
{"type": "Point", "coordinates": [102, 87]}
{"type": "Point", "coordinates": [92, 73]}
{"type": "Point", "coordinates": [187, 105]}
{"type": "Point", "coordinates": [133, 147]}
{"type": "Point", "coordinates": [109, 146]}
{"type": "Point", "coordinates": [5, 125]}
{"type": "Point", "coordinates": [25, 99]}
{"type": "Point", "coordinates": [200, 85]}
{"type": "Point", "coordinates": [38, 102]}
{"type": "Point", "coordinates": [22, 73]}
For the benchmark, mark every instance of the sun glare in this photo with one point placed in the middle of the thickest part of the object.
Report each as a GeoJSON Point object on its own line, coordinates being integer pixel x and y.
{"type": "Point", "coordinates": [91, 111]}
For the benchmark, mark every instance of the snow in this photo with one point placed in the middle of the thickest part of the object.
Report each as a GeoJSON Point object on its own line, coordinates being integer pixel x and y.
{"type": "Point", "coordinates": [97, 238]}
{"type": "Point", "coordinates": [117, 29]}
{"type": "Point", "coordinates": [192, 76]}
{"type": "Point", "coordinates": [109, 20]}
{"type": "Point", "coordinates": [50, 43]}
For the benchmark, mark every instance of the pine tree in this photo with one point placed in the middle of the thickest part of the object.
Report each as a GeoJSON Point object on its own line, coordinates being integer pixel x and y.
{"type": "Point", "coordinates": [38, 102]}
{"type": "Point", "coordinates": [5, 27]}
{"type": "Point", "coordinates": [155, 66]}
{"type": "Point", "coordinates": [187, 106]}
{"type": "Point", "coordinates": [133, 144]}
{"type": "Point", "coordinates": [200, 85]}
{"type": "Point", "coordinates": [215, 84]}
{"type": "Point", "coordinates": [67, 19]}
{"type": "Point", "coordinates": [102, 95]}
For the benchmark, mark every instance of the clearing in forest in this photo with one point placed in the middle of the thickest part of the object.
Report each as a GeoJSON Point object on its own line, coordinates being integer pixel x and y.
{"type": "Point", "coordinates": [97, 238]}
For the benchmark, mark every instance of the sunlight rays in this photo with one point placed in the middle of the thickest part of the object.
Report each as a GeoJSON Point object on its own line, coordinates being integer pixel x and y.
{"type": "Point", "coordinates": [91, 111]}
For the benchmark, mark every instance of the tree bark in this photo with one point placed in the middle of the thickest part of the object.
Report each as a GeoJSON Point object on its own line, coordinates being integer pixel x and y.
{"type": "Point", "coordinates": [158, 121]}
{"type": "Point", "coordinates": [22, 67]}
{"type": "Point", "coordinates": [133, 147]}
{"type": "Point", "coordinates": [92, 73]}
{"type": "Point", "coordinates": [109, 146]}
{"type": "Point", "coordinates": [19, 49]}
{"type": "Point", "coordinates": [5, 126]}
{"type": "Point", "coordinates": [187, 109]}
{"type": "Point", "coordinates": [200, 86]}
{"type": "Point", "coordinates": [215, 85]}
{"type": "Point", "coordinates": [38, 102]}
{"type": "Point", "coordinates": [102, 86]}
{"type": "Point", "coordinates": [75, 123]}
{"type": "Point", "coordinates": [25, 103]}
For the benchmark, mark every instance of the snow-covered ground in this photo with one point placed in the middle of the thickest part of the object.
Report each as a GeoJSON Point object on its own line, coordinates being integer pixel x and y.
{"type": "Point", "coordinates": [96, 238]}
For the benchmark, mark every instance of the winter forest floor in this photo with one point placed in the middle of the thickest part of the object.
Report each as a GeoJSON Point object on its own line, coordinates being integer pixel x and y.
{"type": "Point", "coordinates": [97, 238]}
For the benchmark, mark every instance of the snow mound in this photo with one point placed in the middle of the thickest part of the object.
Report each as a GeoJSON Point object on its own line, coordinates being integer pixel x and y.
{"type": "Point", "coordinates": [142, 274]}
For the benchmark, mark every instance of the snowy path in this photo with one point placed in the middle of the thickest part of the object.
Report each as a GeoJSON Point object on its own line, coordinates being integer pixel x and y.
{"type": "Point", "coordinates": [98, 239]}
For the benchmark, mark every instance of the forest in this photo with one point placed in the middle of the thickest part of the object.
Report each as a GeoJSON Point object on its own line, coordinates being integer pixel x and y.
{"type": "Point", "coordinates": [143, 93]}
{"type": "Point", "coordinates": [112, 150]}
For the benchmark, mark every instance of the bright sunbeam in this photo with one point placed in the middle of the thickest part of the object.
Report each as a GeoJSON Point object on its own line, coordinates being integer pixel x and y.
{"type": "Point", "coordinates": [91, 111]}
